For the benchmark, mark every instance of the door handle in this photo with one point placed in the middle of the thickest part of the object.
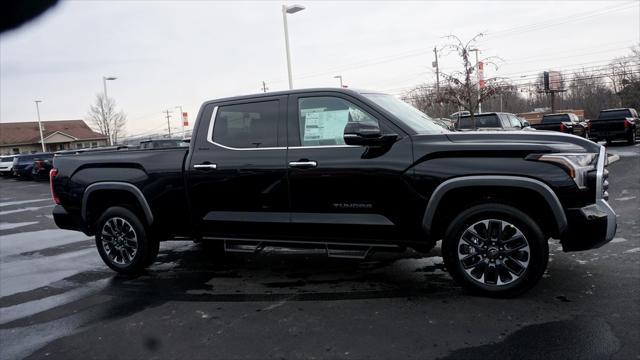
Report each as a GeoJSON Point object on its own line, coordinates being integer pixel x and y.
{"type": "Point", "coordinates": [303, 164]}
{"type": "Point", "coordinates": [205, 166]}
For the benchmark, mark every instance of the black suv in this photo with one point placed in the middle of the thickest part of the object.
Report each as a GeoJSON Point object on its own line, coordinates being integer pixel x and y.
{"type": "Point", "coordinates": [350, 172]}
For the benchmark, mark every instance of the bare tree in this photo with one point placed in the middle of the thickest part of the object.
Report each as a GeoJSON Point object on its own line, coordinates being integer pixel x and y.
{"type": "Point", "coordinates": [106, 119]}
{"type": "Point", "coordinates": [462, 87]}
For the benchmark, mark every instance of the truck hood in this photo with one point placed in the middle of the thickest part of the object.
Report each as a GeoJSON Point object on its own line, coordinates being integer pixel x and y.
{"type": "Point", "coordinates": [554, 141]}
{"type": "Point", "coordinates": [522, 141]}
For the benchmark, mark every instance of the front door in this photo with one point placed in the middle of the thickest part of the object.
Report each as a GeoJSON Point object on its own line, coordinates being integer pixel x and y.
{"type": "Point", "coordinates": [237, 169]}
{"type": "Point", "coordinates": [340, 192]}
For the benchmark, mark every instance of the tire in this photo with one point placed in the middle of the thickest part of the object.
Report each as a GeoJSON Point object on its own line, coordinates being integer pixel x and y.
{"type": "Point", "coordinates": [117, 230]}
{"type": "Point", "coordinates": [631, 139]}
{"type": "Point", "coordinates": [504, 268]}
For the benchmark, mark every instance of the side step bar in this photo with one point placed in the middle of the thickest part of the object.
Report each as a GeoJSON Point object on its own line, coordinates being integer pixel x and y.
{"type": "Point", "coordinates": [348, 251]}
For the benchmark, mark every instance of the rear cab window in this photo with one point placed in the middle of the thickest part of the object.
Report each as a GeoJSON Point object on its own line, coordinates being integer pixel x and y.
{"type": "Point", "coordinates": [482, 121]}
{"type": "Point", "coordinates": [555, 119]}
{"type": "Point", "coordinates": [614, 114]}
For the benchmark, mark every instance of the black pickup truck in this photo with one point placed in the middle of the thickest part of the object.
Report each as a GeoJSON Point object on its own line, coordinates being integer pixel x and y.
{"type": "Point", "coordinates": [350, 172]}
{"type": "Point", "coordinates": [568, 123]}
{"type": "Point", "coordinates": [491, 121]}
{"type": "Point", "coordinates": [615, 124]}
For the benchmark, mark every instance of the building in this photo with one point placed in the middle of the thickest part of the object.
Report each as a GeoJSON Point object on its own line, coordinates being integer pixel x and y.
{"type": "Point", "coordinates": [24, 137]}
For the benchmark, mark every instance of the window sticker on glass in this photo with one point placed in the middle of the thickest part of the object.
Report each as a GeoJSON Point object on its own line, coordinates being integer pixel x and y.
{"type": "Point", "coordinates": [325, 126]}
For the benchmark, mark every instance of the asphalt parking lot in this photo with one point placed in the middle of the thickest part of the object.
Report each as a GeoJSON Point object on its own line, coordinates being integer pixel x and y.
{"type": "Point", "coordinates": [58, 301]}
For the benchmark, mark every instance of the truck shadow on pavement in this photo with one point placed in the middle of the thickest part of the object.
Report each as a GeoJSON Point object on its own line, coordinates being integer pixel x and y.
{"type": "Point", "coordinates": [189, 273]}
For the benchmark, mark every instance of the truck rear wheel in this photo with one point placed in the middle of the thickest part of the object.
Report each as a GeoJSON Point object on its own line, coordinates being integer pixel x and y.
{"type": "Point", "coordinates": [495, 250]}
{"type": "Point", "coordinates": [123, 242]}
{"type": "Point", "coordinates": [631, 140]}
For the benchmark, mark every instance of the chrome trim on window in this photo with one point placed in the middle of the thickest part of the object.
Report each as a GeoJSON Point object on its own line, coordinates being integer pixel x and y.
{"type": "Point", "coordinates": [210, 136]}
{"type": "Point", "coordinates": [210, 140]}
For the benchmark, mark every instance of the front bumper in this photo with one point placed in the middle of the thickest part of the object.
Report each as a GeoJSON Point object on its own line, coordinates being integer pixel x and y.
{"type": "Point", "coordinates": [589, 227]}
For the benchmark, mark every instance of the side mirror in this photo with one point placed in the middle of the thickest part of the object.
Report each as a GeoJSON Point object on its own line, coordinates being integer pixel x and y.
{"type": "Point", "coordinates": [358, 133]}
{"type": "Point", "coordinates": [525, 124]}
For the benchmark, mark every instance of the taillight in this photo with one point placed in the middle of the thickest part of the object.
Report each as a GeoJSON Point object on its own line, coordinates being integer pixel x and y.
{"type": "Point", "coordinates": [52, 175]}
{"type": "Point", "coordinates": [627, 123]}
{"type": "Point", "coordinates": [39, 164]}
{"type": "Point", "coordinates": [562, 127]}
{"type": "Point", "coordinates": [589, 125]}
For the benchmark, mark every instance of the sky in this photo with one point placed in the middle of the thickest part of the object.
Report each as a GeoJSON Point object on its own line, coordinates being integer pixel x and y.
{"type": "Point", "coordinates": [182, 53]}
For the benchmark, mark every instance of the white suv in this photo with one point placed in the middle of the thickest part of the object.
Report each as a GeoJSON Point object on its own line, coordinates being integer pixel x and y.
{"type": "Point", "coordinates": [6, 165]}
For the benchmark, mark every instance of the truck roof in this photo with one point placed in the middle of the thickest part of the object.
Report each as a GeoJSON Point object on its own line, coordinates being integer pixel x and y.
{"type": "Point", "coordinates": [616, 109]}
{"type": "Point", "coordinates": [294, 91]}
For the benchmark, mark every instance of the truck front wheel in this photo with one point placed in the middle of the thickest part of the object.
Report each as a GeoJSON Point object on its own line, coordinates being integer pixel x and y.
{"type": "Point", "coordinates": [123, 242]}
{"type": "Point", "coordinates": [495, 250]}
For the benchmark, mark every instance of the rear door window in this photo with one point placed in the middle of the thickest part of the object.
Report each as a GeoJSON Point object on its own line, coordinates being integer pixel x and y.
{"type": "Point", "coordinates": [247, 126]}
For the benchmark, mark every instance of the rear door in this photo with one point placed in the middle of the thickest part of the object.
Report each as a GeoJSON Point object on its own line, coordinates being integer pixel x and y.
{"type": "Point", "coordinates": [237, 172]}
{"type": "Point", "coordinates": [340, 192]}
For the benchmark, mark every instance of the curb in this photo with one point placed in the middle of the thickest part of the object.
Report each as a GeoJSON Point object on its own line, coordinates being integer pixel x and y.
{"type": "Point", "coordinates": [612, 158]}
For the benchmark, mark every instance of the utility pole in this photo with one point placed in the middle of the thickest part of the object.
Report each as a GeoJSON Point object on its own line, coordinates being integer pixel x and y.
{"type": "Point", "coordinates": [40, 124]}
{"type": "Point", "coordinates": [264, 87]}
{"type": "Point", "coordinates": [435, 64]}
{"type": "Point", "coordinates": [168, 121]}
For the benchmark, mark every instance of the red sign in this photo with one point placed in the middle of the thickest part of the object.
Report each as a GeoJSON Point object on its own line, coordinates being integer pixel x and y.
{"type": "Point", "coordinates": [481, 74]}
{"type": "Point", "coordinates": [185, 119]}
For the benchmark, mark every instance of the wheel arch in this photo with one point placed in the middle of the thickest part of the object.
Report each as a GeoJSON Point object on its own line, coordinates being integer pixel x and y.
{"type": "Point", "coordinates": [543, 194]}
{"type": "Point", "coordinates": [119, 187]}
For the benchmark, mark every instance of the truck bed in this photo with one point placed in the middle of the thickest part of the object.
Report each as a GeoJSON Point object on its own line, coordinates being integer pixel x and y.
{"type": "Point", "coordinates": [157, 173]}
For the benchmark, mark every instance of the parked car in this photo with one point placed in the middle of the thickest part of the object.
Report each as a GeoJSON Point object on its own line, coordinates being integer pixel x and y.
{"type": "Point", "coordinates": [349, 172]}
{"type": "Point", "coordinates": [23, 164]}
{"type": "Point", "coordinates": [6, 165]}
{"type": "Point", "coordinates": [568, 123]}
{"type": "Point", "coordinates": [615, 124]}
{"type": "Point", "coordinates": [41, 166]}
{"type": "Point", "coordinates": [490, 121]}
{"type": "Point", "coordinates": [162, 144]}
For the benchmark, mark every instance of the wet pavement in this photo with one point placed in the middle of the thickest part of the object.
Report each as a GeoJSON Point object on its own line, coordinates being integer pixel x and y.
{"type": "Point", "coordinates": [57, 299]}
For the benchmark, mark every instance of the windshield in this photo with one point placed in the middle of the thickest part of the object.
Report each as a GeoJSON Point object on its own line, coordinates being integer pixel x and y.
{"type": "Point", "coordinates": [482, 121]}
{"type": "Point", "coordinates": [412, 117]}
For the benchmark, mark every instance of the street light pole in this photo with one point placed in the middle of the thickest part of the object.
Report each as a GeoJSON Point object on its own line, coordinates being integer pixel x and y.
{"type": "Point", "coordinates": [289, 10]}
{"type": "Point", "coordinates": [339, 77]}
{"type": "Point", "coordinates": [104, 83]}
{"type": "Point", "coordinates": [40, 124]}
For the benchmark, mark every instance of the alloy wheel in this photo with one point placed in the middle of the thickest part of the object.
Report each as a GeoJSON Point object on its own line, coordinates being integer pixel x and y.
{"type": "Point", "coordinates": [119, 240]}
{"type": "Point", "coordinates": [493, 252]}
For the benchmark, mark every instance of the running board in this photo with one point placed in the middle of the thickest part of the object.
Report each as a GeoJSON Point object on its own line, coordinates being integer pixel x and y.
{"type": "Point", "coordinates": [335, 250]}
{"type": "Point", "coordinates": [348, 252]}
{"type": "Point", "coordinates": [243, 246]}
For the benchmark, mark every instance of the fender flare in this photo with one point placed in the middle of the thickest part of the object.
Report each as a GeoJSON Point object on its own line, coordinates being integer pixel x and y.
{"type": "Point", "coordinates": [495, 180]}
{"type": "Point", "coordinates": [116, 185]}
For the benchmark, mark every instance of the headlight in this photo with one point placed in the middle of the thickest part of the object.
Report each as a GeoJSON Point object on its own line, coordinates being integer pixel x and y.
{"type": "Point", "coordinates": [576, 165]}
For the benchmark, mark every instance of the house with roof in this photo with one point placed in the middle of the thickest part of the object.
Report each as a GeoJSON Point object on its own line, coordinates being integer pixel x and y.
{"type": "Point", "coordinates": [24, 137]}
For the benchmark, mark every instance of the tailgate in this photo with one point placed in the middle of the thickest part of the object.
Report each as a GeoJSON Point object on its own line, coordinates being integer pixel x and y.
{"type": "Point", "coordinates": [607, 125]}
